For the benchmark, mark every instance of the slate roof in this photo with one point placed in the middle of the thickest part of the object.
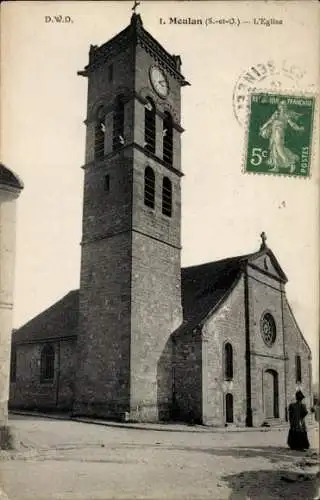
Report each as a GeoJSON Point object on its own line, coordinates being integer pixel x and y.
{"type": "Point", "coordinates": [59, 320]}
{"type": "Point", "coordinates": [8, 178]}
{"type": "Point", "coordinates": [204, 287]}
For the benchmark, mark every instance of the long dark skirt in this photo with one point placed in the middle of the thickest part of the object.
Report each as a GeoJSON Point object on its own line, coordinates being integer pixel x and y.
{"type": "Point", "coordinates": [298, 440]}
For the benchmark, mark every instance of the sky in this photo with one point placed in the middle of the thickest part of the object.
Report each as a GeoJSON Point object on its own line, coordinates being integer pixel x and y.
{"type": "Point", "coordinates": [224, 210]}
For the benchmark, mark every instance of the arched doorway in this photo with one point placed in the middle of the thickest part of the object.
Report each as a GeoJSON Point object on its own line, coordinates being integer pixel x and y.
{"type": "Point", "coordinates": [271, 394]}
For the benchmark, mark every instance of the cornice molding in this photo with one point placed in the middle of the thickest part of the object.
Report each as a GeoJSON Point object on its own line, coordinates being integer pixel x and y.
{"type": "Point", "coordinates": [139, 148]}
{"type": "Point", "coordinates": [266, 273]}
{"type": "Point", "coordinates": [132, 36]}
{"type": "Point", "coordinates": [44, 340]}
{"type": "Point", "coordinates": [273, 356]}
{"type": "Point", "coordinates": [131, 229]}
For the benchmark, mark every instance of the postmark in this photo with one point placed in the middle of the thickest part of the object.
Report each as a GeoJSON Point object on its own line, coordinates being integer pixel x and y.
{"type": "Point", "coordinates": [279, 134]}
{"type": "Point", "coordinates": [271, 75]}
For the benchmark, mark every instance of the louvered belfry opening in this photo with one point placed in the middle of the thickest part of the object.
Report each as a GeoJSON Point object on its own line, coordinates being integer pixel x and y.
{"type": "Point", "coordinates": [118, 123]}
{"type": "Point", "coordinates": [167, 138]}
{"type": "Point", "coordinates": [99, 135]}
{"type": "Point", "coordinates": [149, 187]}
{"type": "Point", "coordinates": [150, 126]}
{"type": "Point", "coordinates": [167, 197]}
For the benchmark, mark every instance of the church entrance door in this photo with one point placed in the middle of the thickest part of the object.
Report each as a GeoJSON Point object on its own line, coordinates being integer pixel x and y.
{"type": "Point", "coordinates": [271, 394]}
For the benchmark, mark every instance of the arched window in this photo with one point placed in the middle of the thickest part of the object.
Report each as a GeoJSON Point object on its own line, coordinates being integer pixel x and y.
{"type": "Point", "coordinates": [298, 369]}
{"type": "Point", "coordinates": [47, 363]}
{"type": "Point", "coordinates": [13, 364]}
{"type": "Point", "coordinates": [229, 408]}
{"type": "Point", "coordinates": [167, 197]}
{"type": "Point", "coordinates": [150, 126]}
{"type": "Point", "coordinates": [118, 123]}
{"type": "Point", "coordinates": [228, 362]}
{"type": "Point", "coordinates": [167, 138]}
{"type": "Point", "coordinates": [99, 134]}
{"type": "Point", "coordinates": [149, 187]}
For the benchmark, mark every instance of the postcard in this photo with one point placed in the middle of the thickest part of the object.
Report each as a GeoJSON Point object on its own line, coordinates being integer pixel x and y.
{"type": "Point", "coordinates": [161, 245]}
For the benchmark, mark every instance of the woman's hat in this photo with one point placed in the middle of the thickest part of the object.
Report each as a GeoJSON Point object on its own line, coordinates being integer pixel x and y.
{"type": "Point", "coordinates": [299, 395]}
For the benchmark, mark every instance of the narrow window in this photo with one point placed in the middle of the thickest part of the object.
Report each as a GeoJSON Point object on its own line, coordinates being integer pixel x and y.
{"type": "Point", "coordinates": [13, 364]}
{"type": "Point", "coordinates": [149, 187]}
{"type": "Point", "coordinates": [229, 408]}
{"type": "Point", "coordinates": [298, 369]}
{"type": "Point", "coordinates": [228, 362]}
{"type": "Point", "coordinates": [47, 363]}
{"type": "Point", "coordinates": [167, 197]}
{"type": "Point", "coordinates": [118, 123]}
{"type": "Point", "coordinates": [110, 73]}
{"type": "Point", "coordinates": [107, 183]}
{"type": "Point", "coordinates": [99, 135]}
{"type": "Point", "coordinates": [150, 126]}
{"type": "Point", "coordinates": [167, 138]}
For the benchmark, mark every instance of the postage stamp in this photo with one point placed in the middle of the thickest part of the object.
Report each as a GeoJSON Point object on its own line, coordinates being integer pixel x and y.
{"type": "Point", "coordinates": [279, 134]}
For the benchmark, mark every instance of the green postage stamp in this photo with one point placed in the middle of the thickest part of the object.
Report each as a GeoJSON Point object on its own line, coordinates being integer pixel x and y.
{"type": "Point", "coordinates": [279, 134]}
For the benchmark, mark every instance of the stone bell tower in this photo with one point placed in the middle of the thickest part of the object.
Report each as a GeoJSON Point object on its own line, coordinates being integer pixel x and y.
{"type": "Point", "coordinates": [130, 291]}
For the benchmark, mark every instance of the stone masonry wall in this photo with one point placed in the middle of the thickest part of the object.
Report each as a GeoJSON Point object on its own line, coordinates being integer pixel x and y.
{"type": "Point", "coordinates": [156, 312]}
{"type": "Point", "coordinates": [187, 366]}
{"type": "Point", "coordinates": [227, 324]}
{"type": "Point", "coordinates": [29, 392]}
{"type": "Point", "coordinates": [108, 212]}
{"type": "Point", "coordinates": [265, 296]}
{"type": "Point", "coordinates": [102, 92]}
{"type": "Point", "coordinates": [295, 344]}
{"type": "Point", "coordinates": [103, 350]}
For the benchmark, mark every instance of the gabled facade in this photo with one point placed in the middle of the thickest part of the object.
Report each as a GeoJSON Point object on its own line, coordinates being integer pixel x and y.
{"type": "Point", "coordinates": [245, 357]}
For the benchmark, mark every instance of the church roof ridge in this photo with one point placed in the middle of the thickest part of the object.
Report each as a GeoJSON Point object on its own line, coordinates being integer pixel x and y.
{"type": "Point", "coordinates": [204, 288]}
{"type": "Point", "coordinates": [61, 316]}
{"type": "Point", "coordinates": [239, 258]}
{"type": "Point", "coordinates": [298, 327]}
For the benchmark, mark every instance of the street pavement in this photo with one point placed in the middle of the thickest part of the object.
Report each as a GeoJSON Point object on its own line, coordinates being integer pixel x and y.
{"type": "Point", "coordinates": [67, 460]}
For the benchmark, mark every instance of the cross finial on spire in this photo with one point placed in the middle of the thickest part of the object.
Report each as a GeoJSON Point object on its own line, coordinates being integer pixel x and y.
{"type": "Point", "coordinates": [263, 240]}
{"type": "Point", "coordinates": [135, 5]}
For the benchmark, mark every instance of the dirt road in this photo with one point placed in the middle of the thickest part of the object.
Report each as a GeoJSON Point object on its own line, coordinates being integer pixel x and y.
{"type": "Point", "coordinates": [65, 460]}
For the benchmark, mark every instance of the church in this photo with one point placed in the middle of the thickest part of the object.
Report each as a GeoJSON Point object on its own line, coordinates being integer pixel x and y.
{"type": "Point", "coordinates": [144, 339]}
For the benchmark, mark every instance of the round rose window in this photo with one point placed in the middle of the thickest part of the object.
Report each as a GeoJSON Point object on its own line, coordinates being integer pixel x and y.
{"type": "Point", "coordinates": [268, 329]}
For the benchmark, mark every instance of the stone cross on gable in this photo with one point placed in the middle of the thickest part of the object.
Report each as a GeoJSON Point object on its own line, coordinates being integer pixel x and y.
{"type": "Point", "coordinates": [264, 239]}
{"type": "Point", "coordinates": [135, 5]}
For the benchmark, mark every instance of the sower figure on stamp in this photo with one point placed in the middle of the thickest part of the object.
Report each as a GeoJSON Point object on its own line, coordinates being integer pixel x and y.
{"type": "Point", "coordinates": [298, 437]}
{"type": "Point", "coordinates": [274, 129]}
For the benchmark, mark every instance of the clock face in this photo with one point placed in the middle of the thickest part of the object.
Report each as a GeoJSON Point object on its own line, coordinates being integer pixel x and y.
{"type": "Point", "coordinates": [159, 81]}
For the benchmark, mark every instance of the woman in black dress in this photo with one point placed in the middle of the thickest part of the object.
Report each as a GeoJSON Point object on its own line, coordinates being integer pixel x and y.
{"type": "Point", "coordinates": [298, 437]}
